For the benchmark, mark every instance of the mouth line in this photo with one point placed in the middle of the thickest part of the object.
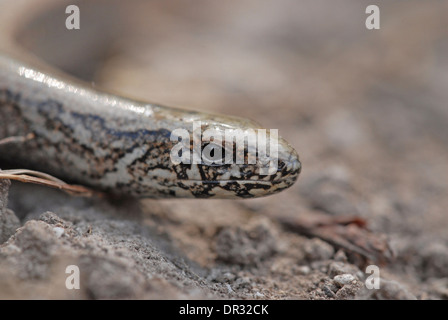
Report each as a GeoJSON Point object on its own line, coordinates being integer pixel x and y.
{"type": "Point", "coordinates": [227, 181]}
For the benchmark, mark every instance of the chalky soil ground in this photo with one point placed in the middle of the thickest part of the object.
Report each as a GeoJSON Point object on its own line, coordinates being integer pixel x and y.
{"type": "Point", "coordinates": [366, 110]}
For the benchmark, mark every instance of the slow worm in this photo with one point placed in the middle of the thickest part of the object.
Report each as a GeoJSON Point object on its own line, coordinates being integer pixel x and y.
{"type": "Point", "coordinates": [110, 142]}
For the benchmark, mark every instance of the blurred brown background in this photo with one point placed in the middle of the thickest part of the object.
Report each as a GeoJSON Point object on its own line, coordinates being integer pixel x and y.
{"type": "Point", "coordinates": [366, 110]}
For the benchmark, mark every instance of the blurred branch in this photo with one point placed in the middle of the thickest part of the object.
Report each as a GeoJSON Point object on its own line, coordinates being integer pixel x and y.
{"type": "Point", "coordinates": [36, 177]}
{"type": "Point", "coordinates": [17, 139]}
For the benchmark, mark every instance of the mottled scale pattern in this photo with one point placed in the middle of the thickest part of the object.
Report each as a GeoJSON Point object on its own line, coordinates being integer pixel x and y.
{"type": "Point", "coordinates": [119, 145]}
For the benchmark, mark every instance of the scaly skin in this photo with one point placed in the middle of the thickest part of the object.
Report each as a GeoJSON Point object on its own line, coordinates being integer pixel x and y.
{"type": "Point", "coordinates": [116, 144]}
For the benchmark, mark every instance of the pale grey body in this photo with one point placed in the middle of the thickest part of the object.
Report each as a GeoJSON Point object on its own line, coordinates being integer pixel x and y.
{"type": "Point", "coordinates": [112, 143]}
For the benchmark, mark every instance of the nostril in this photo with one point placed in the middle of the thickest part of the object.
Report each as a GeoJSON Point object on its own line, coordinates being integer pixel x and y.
{"type": "Point", "coordinates": [297, 166]}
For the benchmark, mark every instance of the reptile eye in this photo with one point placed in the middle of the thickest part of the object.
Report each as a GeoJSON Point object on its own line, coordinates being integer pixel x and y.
{"type": "Point", "coordinates": [213, 154]}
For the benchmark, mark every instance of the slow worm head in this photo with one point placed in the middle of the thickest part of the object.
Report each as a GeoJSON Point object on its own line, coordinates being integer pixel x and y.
{"type": "Point", "coordinates": [124, 146]}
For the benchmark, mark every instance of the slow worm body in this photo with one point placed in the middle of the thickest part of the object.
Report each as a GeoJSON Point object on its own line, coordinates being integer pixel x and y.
{"type": "Point", "coordinates": [116, 144]}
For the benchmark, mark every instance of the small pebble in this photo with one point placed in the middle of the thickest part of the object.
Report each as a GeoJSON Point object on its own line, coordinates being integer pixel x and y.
{"type": "Point", "coordinates": [340, 256]}
{"type": "Point", "coordinates": [229, 288]}
{"type": "Point", "coordinates": [58, 231]}
{"type": "Point", "coordinates": [316, 249]}
{"type": "Point", "coordinates": [303, 270]}
{"type": "Point", "coordinates": [243, 282]}
{"type": "Point", "coordinates": [337, 268]}
{"type": "Point", "coordinates": [344, 279]}
{"type": "Point", "coordinates": [245, 246]}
